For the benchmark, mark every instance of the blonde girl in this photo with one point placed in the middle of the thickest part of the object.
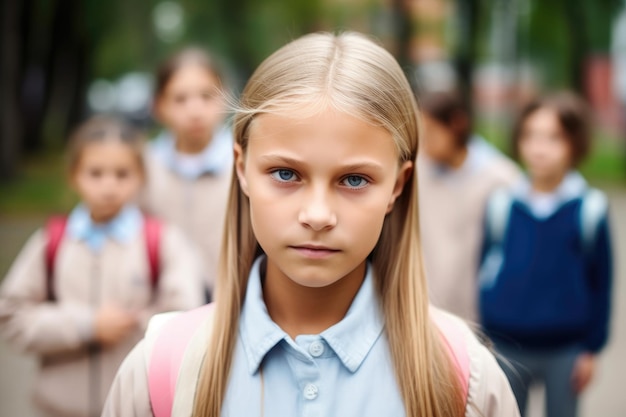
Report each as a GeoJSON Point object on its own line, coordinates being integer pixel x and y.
{"type": "Point", "coordinates": [321, 303]}
{"type": "Point", "coordinates": [80, 292]}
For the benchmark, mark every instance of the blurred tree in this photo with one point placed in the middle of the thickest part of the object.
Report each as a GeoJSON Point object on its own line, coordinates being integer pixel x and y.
{"type": "Point", "coordinates": [46, 59]}
{"type": "Point", "coordinates": [465, 54]}
{"type": "Point", "coordinates": [52, 49]}
{"type": "Point", "coordinates": [10, 48]}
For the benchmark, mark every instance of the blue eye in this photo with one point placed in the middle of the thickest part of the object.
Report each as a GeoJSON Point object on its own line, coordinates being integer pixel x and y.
{"type": "Point", "coordinates": [283, 175]}
{"type": "Point", "coordinates": [355, 181]}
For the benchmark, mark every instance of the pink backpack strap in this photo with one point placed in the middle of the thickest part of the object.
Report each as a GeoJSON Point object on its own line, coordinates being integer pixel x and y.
{"type": "Point", "coordinates": [152, 235]}
{"type": "Point", "coordinates": [55, 229]}
{"type": "Point", "coordinates": [454, 339]}
{"type": "Point", "coordinates": [167, 356]}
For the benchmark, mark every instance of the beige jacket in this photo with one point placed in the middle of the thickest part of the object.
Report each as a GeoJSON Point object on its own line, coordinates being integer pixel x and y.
{"type": "Point", "coordinates": [452, 206]}
{"type": "Point", "coordinates": [489, 393]}
{"type": "Point", "coordinates": [75, 373]}
{"type": "Point", "coordinates": [198, 207]}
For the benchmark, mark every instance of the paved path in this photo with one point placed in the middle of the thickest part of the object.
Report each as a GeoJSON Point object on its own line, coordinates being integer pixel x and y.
{"type": "Point", "coordinates": [606, 397]}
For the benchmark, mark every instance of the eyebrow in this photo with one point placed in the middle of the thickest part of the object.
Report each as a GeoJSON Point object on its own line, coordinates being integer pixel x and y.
{"type": "Point", "coordinates": [285, 160]}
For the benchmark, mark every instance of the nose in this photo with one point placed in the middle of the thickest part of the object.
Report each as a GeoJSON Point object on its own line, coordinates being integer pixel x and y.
{"type": "Point", "coordinates": [109, 186]}
{"type": "Point", "coordinates": [196, 107]}
{"type": "Point", "coordinates": [317, 211]}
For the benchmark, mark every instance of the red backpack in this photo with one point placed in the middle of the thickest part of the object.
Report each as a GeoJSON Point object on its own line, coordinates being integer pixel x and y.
{"type": "Point", "coordinates": [55, 230]}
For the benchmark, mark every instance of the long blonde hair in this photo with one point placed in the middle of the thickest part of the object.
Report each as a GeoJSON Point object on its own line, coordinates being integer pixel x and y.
{"type": "Point", "coordinates": [356, 76]}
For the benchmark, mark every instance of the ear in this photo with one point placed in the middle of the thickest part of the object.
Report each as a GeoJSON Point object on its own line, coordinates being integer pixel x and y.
{"type": "Point", "coordinates": [157, 108]}
{"type": "Point", "coordinates": [240, 167]}
{"type": "Point", "coordinates": [404, 173]}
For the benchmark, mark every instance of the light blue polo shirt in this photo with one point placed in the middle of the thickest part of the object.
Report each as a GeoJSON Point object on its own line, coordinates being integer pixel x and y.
{"type": "Point", "coordinates": [345, 371]}
{"type": "Point", "coordinates": [122, 228]}
{"type": "Point", "coordinates": [215, 159]}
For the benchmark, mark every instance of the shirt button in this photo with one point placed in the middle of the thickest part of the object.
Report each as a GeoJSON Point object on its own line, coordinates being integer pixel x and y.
{"type": "Point", "coordinates": [316, 348]}
{"type": "Point", "coordinates": [310, 391]}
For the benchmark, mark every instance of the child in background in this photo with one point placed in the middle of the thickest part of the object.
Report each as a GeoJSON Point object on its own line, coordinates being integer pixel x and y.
{"type": "Point", "coordinates": [321, 301]}
{"type": "Point", "coordinates": [189, 164]}
{"type": "Point", "coordinates": [457, 171]}
{"type": "Point", "coordinates": [82, 305]}
{"type": "Point", "coordinates": [546, 266]}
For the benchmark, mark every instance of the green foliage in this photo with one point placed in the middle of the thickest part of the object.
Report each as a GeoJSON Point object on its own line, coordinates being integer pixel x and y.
{"type": "Point", "coordinates": [41, 188]}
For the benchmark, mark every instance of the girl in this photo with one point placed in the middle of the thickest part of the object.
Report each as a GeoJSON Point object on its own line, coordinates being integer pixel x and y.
{"type": "Point", "coordinates": [546, 268]}
{"type": "Point", "coordinates": [456, 167]}
{"type": "Point", "coordinates": [79, 294]}
{"type": "Point", "coordinates": [321, 305]}
{"type": "Point", "coordinates": [189, 164]}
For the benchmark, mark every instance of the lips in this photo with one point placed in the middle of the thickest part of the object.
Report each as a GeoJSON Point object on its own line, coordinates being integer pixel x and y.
{"type": "Point", "coordinates": [315, 251]}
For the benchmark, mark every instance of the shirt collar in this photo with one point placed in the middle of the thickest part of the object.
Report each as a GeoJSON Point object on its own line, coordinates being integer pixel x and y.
{"type": "Point", "coordinates": [217, 156]}
{"type": "Point", "coordinates": [122, 227]}
{"type": "Point", "coordinates": [351, 338]}
{"type": "Point", "coordinates": [479, 153]}
{"type": "Point", "coordinates": [572, 186]}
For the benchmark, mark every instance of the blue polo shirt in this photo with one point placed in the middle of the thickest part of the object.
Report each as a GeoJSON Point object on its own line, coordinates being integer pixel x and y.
{"type": "Point", "coordinates": [122, 228]}
{"type": "Point", "coordinates": [345, 370]}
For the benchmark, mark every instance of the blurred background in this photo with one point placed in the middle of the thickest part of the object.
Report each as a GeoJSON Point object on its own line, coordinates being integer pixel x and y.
{"type": "Point", "coordinates": [62, 60]}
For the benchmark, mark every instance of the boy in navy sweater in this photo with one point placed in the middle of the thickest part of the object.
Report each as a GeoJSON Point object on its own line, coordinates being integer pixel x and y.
{"type": "Point", "coordinates": [545, 276]}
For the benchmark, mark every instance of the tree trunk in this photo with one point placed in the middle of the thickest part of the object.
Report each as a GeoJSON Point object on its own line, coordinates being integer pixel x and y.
{"type": "Point", "coordinates": [10, 48]}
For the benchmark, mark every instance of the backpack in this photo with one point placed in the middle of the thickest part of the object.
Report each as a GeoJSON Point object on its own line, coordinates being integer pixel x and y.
{"type": "Point", "coordinates": [55, 230]}
{"type": "Point", "coordinates": [593, 209]}
{"type": "Point", "coordinates": [172, 344]}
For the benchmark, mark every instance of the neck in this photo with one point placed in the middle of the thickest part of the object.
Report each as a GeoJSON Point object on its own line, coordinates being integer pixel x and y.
{"type": "Point", "coordinates": [298, 309]}
{"type": "Point", "coordinates": [547, 184]}
{"type": "Point", "coordinates": [192, 146]}
{"type": "Point", "coordinates": [99, 218]}
{"type": "Point", "coordinates": [458, 158]}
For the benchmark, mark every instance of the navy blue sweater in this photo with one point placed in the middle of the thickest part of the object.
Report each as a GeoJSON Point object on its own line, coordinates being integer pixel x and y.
{"type": "Point", "coordinates": [550, 290]}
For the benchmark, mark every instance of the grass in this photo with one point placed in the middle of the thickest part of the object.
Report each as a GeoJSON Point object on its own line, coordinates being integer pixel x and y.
{"type": "Point", "coordinates": [41, 187]}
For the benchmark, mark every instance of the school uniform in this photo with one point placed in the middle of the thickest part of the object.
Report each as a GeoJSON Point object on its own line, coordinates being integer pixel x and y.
{"type": "Point", "coordinates": [95, 265]}
{"type": "Point", "coordinates": [192, 192]}
{"type": "Point", "coordinates": [452, 204]}
{"type": "Point", "coordinates": [344, 371]}
{"type": "Point", "coordinates": [546, 287]}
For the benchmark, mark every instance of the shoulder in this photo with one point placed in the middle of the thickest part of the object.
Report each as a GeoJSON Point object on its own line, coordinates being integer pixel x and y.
{"type": "Point", "coordinates": [499, 204]}
{"type": "Point", "coordinates": [36, 244]}
{"type": "Point", "coordinates": [595, 200]}
{"type": "Point", "coordinates": [179, 325]}
{"type": "Point", "coordinates": [489, 393]}
{"type": "Point", "coordinates": [503, 169]}
{"type": "Point", "coordinates": [176, 346]}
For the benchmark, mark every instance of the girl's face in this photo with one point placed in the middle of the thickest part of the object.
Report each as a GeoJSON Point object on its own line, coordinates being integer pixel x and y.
{"type": "Point", "coordinates": [319, 189]}
{"type": "Point", "coordinates": [107, 177]}
{"type": "Point", "coordinates": [543, 146]}
{"type": "Point", "coordinates": [190, 104]}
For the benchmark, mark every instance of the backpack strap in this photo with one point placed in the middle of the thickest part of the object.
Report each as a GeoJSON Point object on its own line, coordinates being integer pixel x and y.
{"type": "Point", "coordinates": [593, 209]}
{"type": "Point", "coordinates": [498, 213]}
{"type": "Point", "coordinates": [152, 233]}
{"type": "Point", "coordinates": [55, 229]}
{"type": "Point", "coordinates": [166, 359]}
{"type": "Point", "coordinates": [454, 340]}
